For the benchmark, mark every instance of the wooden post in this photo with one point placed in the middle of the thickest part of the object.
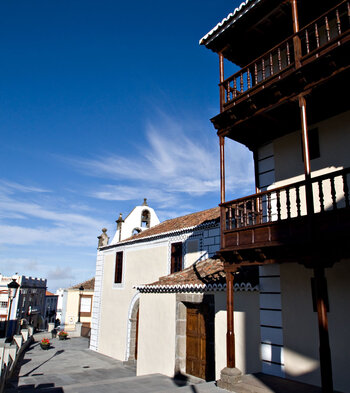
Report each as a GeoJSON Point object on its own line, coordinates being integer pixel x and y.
{"type": "Point", "coordinates": [306, 152]}
{"type": "Point", "coordinates": [320, 289]}
{"type": "Point", "coordinates": [222, 89]}
{"type": "Point", "coordinates": [230, 335]}
{"type": "Point", "coordinates": [296, 39]}
{"type": "Point", "coordinates": [222, 190]}
{"type": "Point", "coordinates": [222, 169]}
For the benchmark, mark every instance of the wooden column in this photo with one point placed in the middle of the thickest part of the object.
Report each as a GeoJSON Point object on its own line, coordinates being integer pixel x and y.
{"type": "Point", "coordinates": [230, 335]}
{"type": "Point", "coordinates": [222, 169]}
{"type": "Point", "coordinates": [321, 298]}
{"type": "Point", "coordinates": [306, 153]}
{"type": "Point", "coordinates": [296, 39]}
{"type": "Point", "coordinates": [222, 90]}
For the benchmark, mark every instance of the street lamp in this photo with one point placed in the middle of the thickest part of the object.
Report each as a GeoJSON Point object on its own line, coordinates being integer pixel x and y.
{"type": "Point", "coordinates": [12, 292]}
{"type": "Point", "coordinates": [81, 290]}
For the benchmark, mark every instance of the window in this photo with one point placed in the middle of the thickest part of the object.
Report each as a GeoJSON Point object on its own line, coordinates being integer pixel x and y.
{"type": "Point", "coordinates": [145, 219]}
{"type": "Point", "coordinates": [118, 275]}
{"type": "Point", "coordinates": [176, 257]}
{"type": "Point", "coordinates": [3, 304]}
{"type": "Point", "coordinates": [314, 144]}
{"type": "Point", "coordinates": [85, 305]}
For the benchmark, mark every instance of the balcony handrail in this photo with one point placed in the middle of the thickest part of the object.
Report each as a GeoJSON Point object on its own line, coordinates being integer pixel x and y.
{"type": "Point", "coordinates": [267, 55]}
{"type": "Point", "coordinates": [293, 200]}
{"type": "Point", "coordinates": [299, 184]}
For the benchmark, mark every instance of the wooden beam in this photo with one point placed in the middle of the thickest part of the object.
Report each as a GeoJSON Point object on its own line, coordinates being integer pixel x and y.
{"type": "Point", "coordinates": [222, 78]}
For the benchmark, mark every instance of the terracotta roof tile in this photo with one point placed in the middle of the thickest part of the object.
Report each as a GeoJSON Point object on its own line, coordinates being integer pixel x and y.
{"type": "Point", "coordinates": [89, 284]}
{"type": "Point", "coordinates": [48, 293]}
{"type": "Point", "coordinates": [191, 220]}
{"type": "Point", "coordinates": [205, 274]}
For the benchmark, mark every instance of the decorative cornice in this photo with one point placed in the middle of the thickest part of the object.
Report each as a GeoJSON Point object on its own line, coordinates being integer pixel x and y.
{"type": "Point", "coordinates": [180, 288]}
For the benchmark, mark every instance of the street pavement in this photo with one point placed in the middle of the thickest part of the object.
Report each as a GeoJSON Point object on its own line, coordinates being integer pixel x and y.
{"type": "Point", "coordinates": [70, 367]}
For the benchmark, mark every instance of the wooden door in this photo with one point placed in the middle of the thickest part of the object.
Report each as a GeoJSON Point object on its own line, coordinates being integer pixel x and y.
{"type": "Point", "coordinates": [196, 341]}
{"type": "Point", "coordinates": [86, 329]}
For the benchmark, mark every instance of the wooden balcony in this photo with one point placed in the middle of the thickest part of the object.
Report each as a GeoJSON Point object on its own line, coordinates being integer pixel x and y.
{"type": "Point", "coordinates": [298, 221]}
{"type": "Point", "coordinates": [299, 64]}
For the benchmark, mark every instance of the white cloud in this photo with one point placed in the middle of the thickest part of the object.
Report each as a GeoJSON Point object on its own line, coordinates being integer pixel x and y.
{"type": "Point", "coordinates": [173, 161]}
{"type": "Point", "coordinates": [9, 187]}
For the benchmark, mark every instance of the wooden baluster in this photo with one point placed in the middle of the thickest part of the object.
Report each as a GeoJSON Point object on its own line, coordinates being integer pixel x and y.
{"type": "Point", "coordinates": [288, 202]}
{"type": "Point", "coordinates": [269, 210]}
{"type": "Point", "coordinates": [263, 69]}
{"type": "Point", "coordinates": [338, 21]}
{"type": "Point", "coordinates": [321, 195]}
{"type": "Point", "coordinates": [242, 85]}
{"type": "Point", "coordinates": [237, 217]}
{"type": "Point", "coordinates": [245, 219]}
{"type": "Point", "coordinates": [327, 28]}
{"type": "Point", "coordinates": [279, 59]}
{"type": "Point", "coordinates": [260, 210]}
{"type": "Point", "coordinates": [297, 191]}
{"type": "Point", "coordinates": [307, 41]}
{"type": "Point", "coordinates": [317, 35]}
{"type": "Point", "coordinates": [229, 217]}
{"type": "Point", "coordinates": [271, 64]}
{"type": "Point", "coordinates": [288, 53]}
{"type": "Point", "coordinates": [248, 78]}
{"type": "Point", "coordinates": [333, 193]}
{"type": "Point", "coordinates": [278, 195]}
{"type": "Point", "coordinates": [256, 73]}
{"type": "Point", "coordinates": [234, 88]}
{"type": "Point", "coordinates": [346, 189]}
{"type": "Point", "coordinates": [228, 92]}
{"type": "Point", "coordinates": [253, 212]}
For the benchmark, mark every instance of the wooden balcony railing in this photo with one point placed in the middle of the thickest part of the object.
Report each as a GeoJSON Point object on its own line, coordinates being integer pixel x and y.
{"type": "Point", "coordinates": [320, 194]}
{"type": "Point", "coordinates": [313, 37]}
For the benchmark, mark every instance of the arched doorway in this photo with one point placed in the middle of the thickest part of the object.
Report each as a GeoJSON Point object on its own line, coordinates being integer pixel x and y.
{"type": "Point", "coordinates": [133, 324]}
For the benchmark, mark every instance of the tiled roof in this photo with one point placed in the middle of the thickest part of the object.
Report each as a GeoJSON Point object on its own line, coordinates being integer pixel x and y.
{"type": "Point", "coordinates": [48, 293]}
{"type": "Point", "coordinates": [193, 220]}
{"type": "Point", "coordinates": [231, 18]}
{"type": "Point", "coordinates": [207, 275]}
{"type": "Point", "coordinates": [89, 284]}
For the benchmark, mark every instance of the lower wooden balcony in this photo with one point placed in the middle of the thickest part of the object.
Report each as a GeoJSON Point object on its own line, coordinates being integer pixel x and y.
{"type": "Point", "coordinates": [297, 222]}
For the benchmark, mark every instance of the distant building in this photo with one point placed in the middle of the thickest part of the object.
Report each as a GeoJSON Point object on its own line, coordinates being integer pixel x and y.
{"type": "Point", "coordinates": [50, 307]}
{"type": "Point", "coordinates": [61, 300]}
{"type": "Point", "coordinates": [78, 305]}
{"type": "Point", "coordinates": [28, 307]}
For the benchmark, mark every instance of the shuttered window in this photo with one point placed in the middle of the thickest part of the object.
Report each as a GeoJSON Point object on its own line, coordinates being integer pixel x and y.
{"type": "Point", "coordinates": [118, 275]}
{"type": "Point", "coordinates": [176, 257]}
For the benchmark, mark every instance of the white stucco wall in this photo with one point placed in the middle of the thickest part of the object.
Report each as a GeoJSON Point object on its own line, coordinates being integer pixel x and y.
{"type": "Point", "coordinates": [157, 334]}
{"type": "Point", "coordinates": [141, 264]}
{"type": "Point", "coordinates": [301, 353]}
{"type": "Point", "coordinates": [334, 140]}
{"type": "Point", "coordinates": [247, 331]}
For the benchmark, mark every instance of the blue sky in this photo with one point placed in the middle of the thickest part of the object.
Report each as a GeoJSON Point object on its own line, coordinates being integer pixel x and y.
{"type": "Point", "coordinates": [103, 103]}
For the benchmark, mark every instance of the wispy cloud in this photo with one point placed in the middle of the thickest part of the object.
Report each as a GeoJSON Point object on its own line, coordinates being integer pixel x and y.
{"type": "Point", "coordinates": [9, 187]}
{"type": "Point", "coordinates": [173, 161]}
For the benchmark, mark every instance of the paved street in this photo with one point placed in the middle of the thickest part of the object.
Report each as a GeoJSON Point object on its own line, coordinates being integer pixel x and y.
{"type": "Point", "coordinates": [70, 367]}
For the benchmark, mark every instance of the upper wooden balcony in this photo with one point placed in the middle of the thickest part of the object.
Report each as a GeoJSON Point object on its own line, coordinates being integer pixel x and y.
{"type": "Point", "coordinates": [292, 222]}
{"type": "Point", "coordinates": [296, 65]}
